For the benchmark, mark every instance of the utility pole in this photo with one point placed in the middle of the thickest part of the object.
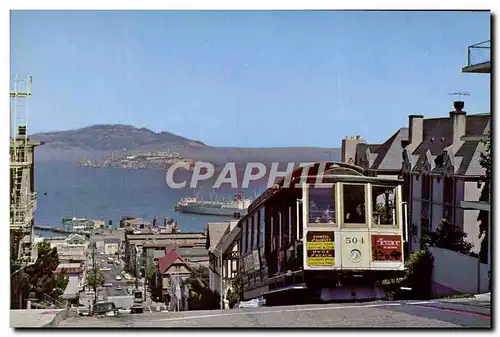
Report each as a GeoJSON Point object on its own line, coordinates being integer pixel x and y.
{"type": "Point", "coordinates": [94, 274]}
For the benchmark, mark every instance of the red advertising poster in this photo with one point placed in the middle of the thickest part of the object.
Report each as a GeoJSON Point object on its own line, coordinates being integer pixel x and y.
{"type": "Point", "coordinates": [387, 248]}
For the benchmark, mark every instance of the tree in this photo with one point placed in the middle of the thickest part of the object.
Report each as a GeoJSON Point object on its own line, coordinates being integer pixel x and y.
{"type": "Point", "coordinates": [201, 297]}
{"type": "Point", "coordinates": [449, 236]}
{"type": "Point", "coordinates": [234, 291]}
{"type": "Point", "coordinates": [484, 216]}
{"type": "Point", "coordinates": [95, 278]}
{"type": "Point", "coordinates": [41, 277]}
{"type": "Point", "coordinates": [418, 275]}
{"type": "Point", "coordinates": [151, 274]}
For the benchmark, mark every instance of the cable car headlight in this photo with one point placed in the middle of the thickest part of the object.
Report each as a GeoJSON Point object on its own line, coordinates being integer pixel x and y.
{"type": "Point", "coordinates": [355, 255]}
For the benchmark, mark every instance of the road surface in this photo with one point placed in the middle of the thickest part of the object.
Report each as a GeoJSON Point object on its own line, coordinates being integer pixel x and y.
{"type": "Point", "coordinates": [410, 314]}
{"type": "Point", "coordinates": [119, 288]}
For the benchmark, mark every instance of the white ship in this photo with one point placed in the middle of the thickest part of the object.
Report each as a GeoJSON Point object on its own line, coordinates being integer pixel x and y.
{"type": "Point", "coordinates": [222, 208]}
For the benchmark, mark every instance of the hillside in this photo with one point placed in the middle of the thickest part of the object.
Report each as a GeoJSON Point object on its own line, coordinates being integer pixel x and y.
{"type": "Point", "coordinates": [98, 141]}
{"type": "Point", "coordinates": [111, 138]}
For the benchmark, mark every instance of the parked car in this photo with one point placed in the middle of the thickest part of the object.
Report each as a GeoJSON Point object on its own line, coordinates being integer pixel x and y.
{"type": "Point", "coordinates": [106, 309]}
{"type": "Point", "coordinates": [118, 278]}
{"type": "Point", "coordinates": [124, 311]}
{"type": "Point", "coordinates": [254, 303]}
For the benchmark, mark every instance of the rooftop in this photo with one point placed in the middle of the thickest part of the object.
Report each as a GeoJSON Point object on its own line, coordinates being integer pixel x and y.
{"type": "Point", "coordinates": [215, 232]}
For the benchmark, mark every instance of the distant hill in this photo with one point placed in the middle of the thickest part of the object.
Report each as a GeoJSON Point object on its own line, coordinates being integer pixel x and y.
{"type": "Point", "coordinates": [111, 138]}
{"type": "Point", "coordinates": [99, 141]}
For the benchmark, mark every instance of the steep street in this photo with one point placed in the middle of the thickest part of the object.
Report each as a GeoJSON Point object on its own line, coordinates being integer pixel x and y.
{"type": "Point", "coordinates": [411, 314]}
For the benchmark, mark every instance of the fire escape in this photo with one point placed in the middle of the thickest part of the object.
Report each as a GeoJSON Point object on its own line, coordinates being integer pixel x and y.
{"type": "Point", "coordinates": [22, 196]}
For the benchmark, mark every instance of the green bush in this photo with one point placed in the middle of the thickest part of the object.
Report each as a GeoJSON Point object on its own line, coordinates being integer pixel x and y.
{"type": "Point", "coordinates": [234, 292]}
{"type": "Point", "coordinates": [417, 277]}
{"type": "Point", "coordinates": [418, 274]}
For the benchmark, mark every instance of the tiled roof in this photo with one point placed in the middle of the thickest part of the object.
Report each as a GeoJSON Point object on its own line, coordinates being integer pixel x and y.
{"type": "Point", "coordinates": [386, 156]}
{"type": "Point", "coordinates": [166, 261]}
{"type": "Point", "coordinates": [361, 149]}
{"type": "Point", "coordinates": [438, 135]}
{"type": "Point", "coordinates": [389, 154]}
{"type": "Point", "coordinates": [112, 240]}
{"type": "Point", "coordinates": [228, 241]}
{"type": "Point", "coordinates": [215, 232]}
{"type": "Point", "coordinates": [476, 124]}
{"type": "Point", "coordinates": [438, 132]}
{"type": "Point", "coordinates": [470, 152]}
{"type": "Point", "coordinates": [190, 252]}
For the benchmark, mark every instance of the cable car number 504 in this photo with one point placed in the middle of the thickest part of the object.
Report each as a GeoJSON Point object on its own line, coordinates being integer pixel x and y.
{"type": "Point", "coordinates": [354, 240]}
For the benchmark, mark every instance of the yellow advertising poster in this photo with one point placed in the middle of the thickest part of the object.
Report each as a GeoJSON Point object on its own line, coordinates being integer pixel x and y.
{"type": "Point", "coordinates": [320, 248]}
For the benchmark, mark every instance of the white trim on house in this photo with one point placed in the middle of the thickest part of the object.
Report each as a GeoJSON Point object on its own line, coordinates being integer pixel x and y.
{"type": "Point", "coordinates": [475, 205]}
{"type": "Point", "coordinates": [473, 138]}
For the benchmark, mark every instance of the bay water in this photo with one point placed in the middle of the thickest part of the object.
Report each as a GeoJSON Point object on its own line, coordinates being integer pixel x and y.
{"type": "Point", "coordinates": [65, 190]}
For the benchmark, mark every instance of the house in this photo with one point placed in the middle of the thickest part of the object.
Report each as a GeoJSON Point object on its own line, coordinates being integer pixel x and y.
{"type": "Point", "coordinates": [480, 65]}
{"type": "Point", "coordinates": [215, 231]}
{"type": "Point", "coordinates": [57, 241]}
{"type": "Point", "coordinates": [76, 239]}
{"type": "Point", "coordinates": [112, 246]}
{"type": "Point", "coordinates": [171, 266]}
{"type": "Point", "coordinates": [222, 245]}
{"type": "Point", "coordinates": [227, 251]}
{"type": "Point", "coordinates": [441, 169]}
{"type": "Point", "coordinates": [152, 251]}
{"type": "Point", "coordinates": [134, 242]}
{"type": "Point", "coordinates": [137, 223]}
{"type": "Point", "coordinates": [74, 273]}
{"type": "Point", "coordinates": [382, 160]}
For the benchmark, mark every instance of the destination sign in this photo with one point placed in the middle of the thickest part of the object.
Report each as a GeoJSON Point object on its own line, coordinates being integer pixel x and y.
{"type": "Point", "coordinates": [320, 248]}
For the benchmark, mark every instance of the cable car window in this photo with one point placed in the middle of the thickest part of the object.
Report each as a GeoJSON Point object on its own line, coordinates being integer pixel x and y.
{"type": "Point", "coordinates": [322, 205]}
{"type": "Point", "coordinates": [252, 233]}
{"type": "Point", "coordinates": [249, 234]}
{"type": "Point", "coordinates": [262, 228]}
{"type": "Point", "coordinates": [383, 206]}
{"type": "Point", "coordinates": [354, 204]}
{"type": "Point", "coordinates": [256, 230]}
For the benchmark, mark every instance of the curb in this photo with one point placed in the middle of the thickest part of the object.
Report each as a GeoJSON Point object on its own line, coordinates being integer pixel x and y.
{"type": "Point", "coordinates": [60, 316]}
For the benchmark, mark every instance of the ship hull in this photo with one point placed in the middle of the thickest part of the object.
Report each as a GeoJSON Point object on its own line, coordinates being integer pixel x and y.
{"type": "Point", "coordinates": [193, 209]}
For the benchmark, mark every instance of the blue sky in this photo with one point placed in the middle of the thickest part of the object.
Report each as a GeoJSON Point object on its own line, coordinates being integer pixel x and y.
{"type": "Point", "coordinates": [247, 78]}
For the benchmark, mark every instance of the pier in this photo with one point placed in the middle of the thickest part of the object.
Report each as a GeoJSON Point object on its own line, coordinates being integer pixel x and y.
{"type": "Point", "coordinates": [58, 230]}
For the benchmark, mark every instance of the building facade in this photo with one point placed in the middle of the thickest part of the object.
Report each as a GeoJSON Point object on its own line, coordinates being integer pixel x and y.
{"type": "Point", "coordinates": [22, 171]}
{"type": "Point", "coordinates": [479, 62]}
{"type": "Point", "coordinates": [222, 244]}
{"type": "Point", "coordinates": [441, 169]}
{"type": "Point", "coordinates": [438, 160]}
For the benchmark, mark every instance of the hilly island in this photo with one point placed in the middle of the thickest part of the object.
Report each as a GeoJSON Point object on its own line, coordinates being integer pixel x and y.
{"type": "Point", "coordinates": [99, 142]}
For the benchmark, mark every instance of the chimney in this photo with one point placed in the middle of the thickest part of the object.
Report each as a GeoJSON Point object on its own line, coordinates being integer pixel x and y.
{"type": "Point", "coordinates": [349, 145]}
{"type": "Point", "coordinates": [458, 121]}
{"type": "Point", "coordinates": [416, 127]}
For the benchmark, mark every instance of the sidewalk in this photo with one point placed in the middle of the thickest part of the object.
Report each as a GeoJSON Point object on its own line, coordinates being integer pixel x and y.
{"type": "Point", "coordinates": [480, 304]}
{"type": "Point", "coordinates": [36, 318]}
